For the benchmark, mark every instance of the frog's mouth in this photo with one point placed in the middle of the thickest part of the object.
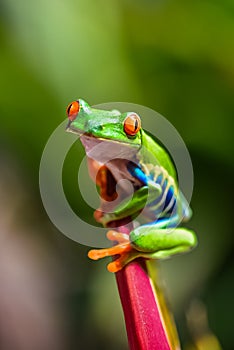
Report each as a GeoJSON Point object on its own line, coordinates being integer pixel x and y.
{"type": "Point", "coordinates": [104, 150]}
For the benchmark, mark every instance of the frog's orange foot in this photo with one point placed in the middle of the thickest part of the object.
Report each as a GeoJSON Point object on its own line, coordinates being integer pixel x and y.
{"type": "Point", "coordinates": [123, 248]}
{"type": "Point", "coordinates": [123, 260]}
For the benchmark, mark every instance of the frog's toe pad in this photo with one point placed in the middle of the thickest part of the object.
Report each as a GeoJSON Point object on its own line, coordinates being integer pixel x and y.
{"type": "Point", "coordinates": [96, 254]}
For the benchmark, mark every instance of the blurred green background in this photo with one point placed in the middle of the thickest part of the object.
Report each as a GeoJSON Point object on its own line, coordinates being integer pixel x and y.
{"type": "Point", "coordinates": [176, 57]}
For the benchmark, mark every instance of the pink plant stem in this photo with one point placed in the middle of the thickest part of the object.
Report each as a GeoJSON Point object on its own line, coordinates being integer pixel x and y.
{"type": "Point", "coordinates": [143, 317]}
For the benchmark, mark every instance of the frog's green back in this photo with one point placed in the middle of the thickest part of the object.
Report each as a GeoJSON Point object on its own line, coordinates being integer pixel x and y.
{"type": "Point", "coordinates": [152, 152]}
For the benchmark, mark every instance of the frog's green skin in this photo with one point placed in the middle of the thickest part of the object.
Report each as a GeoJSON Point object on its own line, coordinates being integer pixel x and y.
{"type": "Point", "coordinates": [153, 176]}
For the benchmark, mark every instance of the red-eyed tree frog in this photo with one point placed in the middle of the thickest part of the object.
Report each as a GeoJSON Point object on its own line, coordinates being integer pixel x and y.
{"type": "Point", "coordinates": [117, 149]}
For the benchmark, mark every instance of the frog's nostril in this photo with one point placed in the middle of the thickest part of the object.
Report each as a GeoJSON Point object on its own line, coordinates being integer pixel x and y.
{"type": "Point", "coordinates": [73, 110]}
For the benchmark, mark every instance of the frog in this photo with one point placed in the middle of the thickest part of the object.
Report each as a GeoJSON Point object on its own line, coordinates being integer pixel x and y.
{"type": "Point", "coordinates": [117, 149]}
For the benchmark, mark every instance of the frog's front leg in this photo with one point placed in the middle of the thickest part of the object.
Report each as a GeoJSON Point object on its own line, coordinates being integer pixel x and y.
{"type": "Point", "coordinates": [147, 241]}
{"type": "Point", "coordinates": [130, 205]}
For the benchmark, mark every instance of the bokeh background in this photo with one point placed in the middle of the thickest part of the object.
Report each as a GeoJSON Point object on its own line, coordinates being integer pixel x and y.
{"type": "Point", "coordinates": [176, 57]}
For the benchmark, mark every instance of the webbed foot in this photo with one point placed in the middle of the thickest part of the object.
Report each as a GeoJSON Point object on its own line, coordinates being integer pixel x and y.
{"type": "Point", "coordinates": [123, 248]}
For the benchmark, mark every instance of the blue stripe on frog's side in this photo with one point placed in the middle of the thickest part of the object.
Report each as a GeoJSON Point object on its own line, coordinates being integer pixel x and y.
{"type": "Point", "coordinates": [136, 171]}
{"type": "Point", "coordinates": [166, 202]}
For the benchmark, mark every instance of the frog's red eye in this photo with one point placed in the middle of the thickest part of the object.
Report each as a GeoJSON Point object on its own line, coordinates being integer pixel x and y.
{"type": "Point", "coordinates": [132, 124]}
{"type": "Point", "coordinates": [72, 110]}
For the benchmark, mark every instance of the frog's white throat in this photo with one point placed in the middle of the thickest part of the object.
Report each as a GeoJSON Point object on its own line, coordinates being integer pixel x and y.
{"type": "Point", "coordinates": [115, 156]}
{"type": "Point", "coordinates": [103, 150]}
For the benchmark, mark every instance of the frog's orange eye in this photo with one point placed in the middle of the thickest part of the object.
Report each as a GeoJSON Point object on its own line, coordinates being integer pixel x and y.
{"type": "Point", "coordinates": [132, 124]}
{"type": "Point", "coordinates": [72, 110]}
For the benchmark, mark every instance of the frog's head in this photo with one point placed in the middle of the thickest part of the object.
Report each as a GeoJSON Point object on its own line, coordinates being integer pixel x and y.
{"type": "Point", "coordinates": [117, 135]}
{"type": "Point", "coordinates": [124, 128]}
